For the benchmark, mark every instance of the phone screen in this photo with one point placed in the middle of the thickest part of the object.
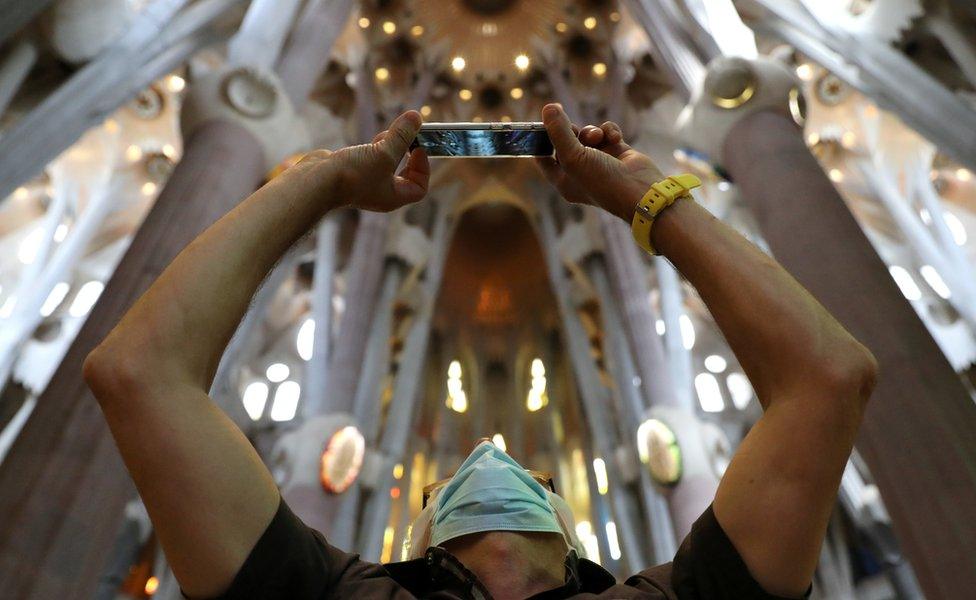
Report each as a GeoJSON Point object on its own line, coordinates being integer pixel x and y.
{"type": "Point", "coordinates": [484, 142]}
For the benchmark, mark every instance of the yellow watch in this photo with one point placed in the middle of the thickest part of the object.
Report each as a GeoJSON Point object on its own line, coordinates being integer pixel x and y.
{"type": "Point", "coordinates": [661, 195]}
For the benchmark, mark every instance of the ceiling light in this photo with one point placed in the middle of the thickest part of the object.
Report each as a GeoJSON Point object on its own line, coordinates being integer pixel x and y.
{"type": "Point", "coordinates": [305, 341]}
{"type": "Point", "coordinates": [499, 441]}
{"type": "Point", "coordinates": [254, 398]}
{"type": "Point", "coordinates": [561, 27]}
{"type": "Point", "coordinates": [836, 175]}
{"type": "Point", "coordinates": [600, 474]}
{"type": "Point", "coordinates": [687, 331]}
{"type": "Point", "coordinates": [589, 22]}
{"type": "Point", "coordinates": [277, 372]}
{"type": "Point", "coordinates": [804, 72]}
{"type": "Point", "coordinates": [614, 16]}
{"type": "Point", "coordinates": [417, 30]}
{"type": "Point", "coordinates": [286, 401]}
{"type": "Point", "coordinates": [709, 394]}
{"type": "Point", "coordinates": [175, 84]}
{"type": "Point", "coordinates": [389, 27]}
{"type": "Point", "coordinates": [55, 298]}
{"type": "Point", "coordinates": [382, 74]}
{"type": "Point", "coordinates": [522, 62]}
{"type": "Point", "coordinates": [848, 140]}
{"type": "Point", "coordinates": [599, 69]}
{"type": "Point", "coordinates": [457, 63]}
{"type": "Point", "coordinates": [133, 153]}
{"type": "Point", "coordinates": [425, 110]}
{"type": "Point", "coordinates": [905, 282]}
{"type": "Point", "coordinates": [516, 93]}
{"type": "Point", "coordinates": [935, 281]}
{"type": "Point", "coordinates": [715, 363]}
{"type": "Point", "coordinates": [465, 94]}
{"type": "Point", "coordinates": [85, 298]}
{"type": "Point", "coordinates": [21, 193]}
{"type": "Point", "coordinates": [148, 188]}
{"type": "Point", "coordinates": [956, 228]}
{"type": "Point", "coordinates": [740, 388]}
{"type": "Point", "coordinates": [964, 174]}
{"type": "Point", "coordinates": [363, 22]}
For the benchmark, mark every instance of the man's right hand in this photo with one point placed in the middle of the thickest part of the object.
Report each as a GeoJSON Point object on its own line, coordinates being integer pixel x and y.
{"type": "Point", "coordinates": [595, 166]}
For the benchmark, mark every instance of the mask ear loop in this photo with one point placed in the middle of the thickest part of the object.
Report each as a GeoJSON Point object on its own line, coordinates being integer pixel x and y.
{"type": "Point", "coordinates": [567, 532]}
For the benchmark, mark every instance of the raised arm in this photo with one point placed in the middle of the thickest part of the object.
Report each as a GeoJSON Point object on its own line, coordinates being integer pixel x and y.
{"type": "Point", "coordinates": [206, 490]}
{"type": "Point", "coordinates": [811, 376]}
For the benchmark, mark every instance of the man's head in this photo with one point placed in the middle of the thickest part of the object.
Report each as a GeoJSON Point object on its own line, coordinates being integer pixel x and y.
{"type": "Point", "coordinates": [493, 512]}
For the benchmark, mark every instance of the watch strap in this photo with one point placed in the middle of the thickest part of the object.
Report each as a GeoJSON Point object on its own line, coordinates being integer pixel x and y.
{"type": "Point", "coordinates": [660, 196]}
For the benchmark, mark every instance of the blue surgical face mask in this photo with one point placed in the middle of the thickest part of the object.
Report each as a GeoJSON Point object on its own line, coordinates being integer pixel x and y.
{"type": "Point", "coordinates": [491, 492]}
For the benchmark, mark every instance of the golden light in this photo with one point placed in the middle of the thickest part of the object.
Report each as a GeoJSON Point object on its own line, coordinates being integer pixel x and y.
{"type": "Point", "coordinates": [804, 72]}
{"type": "Point", "coordinates": [871, 111]}
{"type": "Point", "coordinates": [614, 16]}
{"type": "Point", "coordinates": [506, 119]}
{"type": "Point", "coordinates": [363, 22]}
{"type": "Point", "coordinates": [458, 63]}
{"type": "Point", "coordinates": [477, 119]}
{"type": "Point", "coordinates": [499, 441]}
{"type": "Point", "coordinates": [964, 174]}
{"type": "Point", "coordinates": [848, 140]}
{"type": "Point", "coordinates": [398, 471]}
{"type": "Point", "coordinates": [516, 93]}
{"type": "Point", "coordinates": [417, 30]}
{"type": "Point", "coordinates": [175, 84]}
{"type": "Point", "coordinates": [457, 400]}
{"type": "Point", "coordinates": [600, 474]}
{"type": "Point", "coordinates": [813, 139]}
{"type": "Point", "coordinates": [133, 153]}
{"type": "Point", "coordinates": [21, 193]}
{"type": "Point", "coordinates": [169, 150]}
{"type": "Point", "coordinates": [111, 125]}
{"type": "Point", "coordinates": [425, 110]}
{"type": "Point", "coordinates": [389, 27]}
{"type": "Point", "coordinates": [382, 74]}
{"type": "Point", "coordinates": [561, 27]}
{"type": "Point", "coordinates": [589, 22]}
{"type": "Point", "coordinates": [537, 398]}
{"type": "Point", "coordinates": [152, 584]}
{"type": "Point", "coordinates": [465, 94]}
{"type": "Point", "coordinates": [148, 188]}
{"type": "Point", "coordinates": [599, 69]}
{"type": "Point", "coordinates": [836, 175]}
{"type": "Point", "coordinates": [387, 553]}
{"type": "Point", "coordinates": [522, 62]}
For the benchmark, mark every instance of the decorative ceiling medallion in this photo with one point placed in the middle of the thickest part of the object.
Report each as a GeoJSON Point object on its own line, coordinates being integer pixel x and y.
{"type": "Point", "coordinates": [250, 93]}
{"type": "Point", "coordinates": [831, 90]}
{"type": "Point", "coordinates": [342, 459]}
{"type": "Point", "coordinates": [733, 86]}
{"type": "Point", "coordinates": [148, 104]}
{"type": "Point", "coordinates": [798, 106]}
{"type": "Point", "coordinates": [659, 449]}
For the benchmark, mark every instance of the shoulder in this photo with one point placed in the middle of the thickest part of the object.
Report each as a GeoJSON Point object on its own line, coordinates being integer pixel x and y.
{"type": "Point", "coordinates": [292, 560]}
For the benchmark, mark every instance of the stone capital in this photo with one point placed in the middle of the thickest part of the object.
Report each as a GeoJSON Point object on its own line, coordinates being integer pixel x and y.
{"type": "Point", "coordinates": [733, 89]}
{"type": "Point", "coordinates": [252, 98]}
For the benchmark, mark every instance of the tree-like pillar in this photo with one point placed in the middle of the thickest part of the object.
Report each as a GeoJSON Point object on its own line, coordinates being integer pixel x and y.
{"type": "Point", "coordinates": [63, 485]}
{"type": "Point", "coordinates": [917, 436]}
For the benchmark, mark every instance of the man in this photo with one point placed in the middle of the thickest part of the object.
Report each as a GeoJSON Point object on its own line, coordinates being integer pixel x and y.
{"type": "Point", "coordinates": [218, 513]}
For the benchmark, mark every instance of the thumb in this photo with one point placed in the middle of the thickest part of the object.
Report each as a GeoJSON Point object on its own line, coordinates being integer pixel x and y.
{"type": "Point", "coordinates": [401, 134]}
{"type": "Point", "coordinates": [560, 129]}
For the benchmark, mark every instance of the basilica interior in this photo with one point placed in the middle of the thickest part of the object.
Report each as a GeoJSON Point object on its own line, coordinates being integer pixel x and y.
{"type": "Point", "coordinates": [382, 347]}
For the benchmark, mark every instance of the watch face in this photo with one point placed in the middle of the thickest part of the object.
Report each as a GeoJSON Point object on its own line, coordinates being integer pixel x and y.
{"type": "Point", "coordinates": [659, 449]}
{"type": "Point", "coordinates": [342, 459]}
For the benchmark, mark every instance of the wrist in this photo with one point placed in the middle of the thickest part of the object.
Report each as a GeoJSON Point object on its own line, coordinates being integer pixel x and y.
{"type": "Point", "coordinates": [669, 223]}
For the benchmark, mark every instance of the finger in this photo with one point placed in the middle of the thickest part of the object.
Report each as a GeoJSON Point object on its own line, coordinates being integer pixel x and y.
{"type": "Point", "coordinates": [612, 132]}
{"type": "Point", "coordinates": [380, 136]}
{"type": "Point", "coordinates": [560, 129]}
{"type": "Point", "coordinates": [591, 136]}
{"type": "Point", "coordinates": [410, 185]}
{"type": "Point", "coordinates": [401, 134]}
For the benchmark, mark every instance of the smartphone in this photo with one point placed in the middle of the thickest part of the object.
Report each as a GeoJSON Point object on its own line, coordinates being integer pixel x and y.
{"type": "Point", "coordinates": [484, 139]}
